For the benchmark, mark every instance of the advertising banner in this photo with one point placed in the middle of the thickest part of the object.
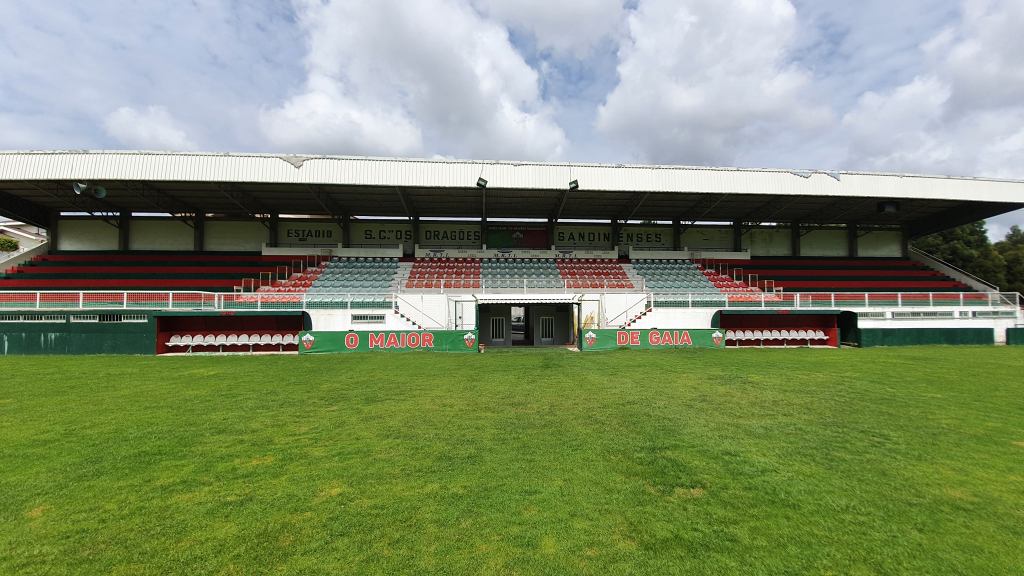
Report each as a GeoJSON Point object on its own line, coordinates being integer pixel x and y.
{"type": "Point", "coordinates": [594, 340]}
{"type": "Point", "coordinates": [517, 237]}
{"type": "Point", "coordinates": [320, 342]}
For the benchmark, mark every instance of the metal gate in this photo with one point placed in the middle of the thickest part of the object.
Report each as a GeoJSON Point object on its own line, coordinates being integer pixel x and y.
{"type": "Point", "coordinates": [547, 330]}
{"type": "Point", "coordinates": [498, 331]}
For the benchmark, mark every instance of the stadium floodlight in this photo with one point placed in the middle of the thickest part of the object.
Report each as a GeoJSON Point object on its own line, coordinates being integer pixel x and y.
{"type": "Point", "coordinates": [481, 182]}
{"type": "Point", "coordinates": [574, 185]}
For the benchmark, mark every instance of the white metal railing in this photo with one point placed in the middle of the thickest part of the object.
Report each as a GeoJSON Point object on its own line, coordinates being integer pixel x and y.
{"type": "Point", "coordinates": [156, 300]}
{"type": "Point", "coordinates": [840, 300]}
{"type": "Point", "coordinates": [522, 286]}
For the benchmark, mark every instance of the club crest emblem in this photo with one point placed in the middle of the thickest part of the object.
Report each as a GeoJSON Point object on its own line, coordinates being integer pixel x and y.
{"type": "Point", "coordinates": [470, 338]}
{"type": "Point", "coordinates": [591, 338]}
{"type": "Point", "coordinates": [717, 337]}
{"type": "Point", "coordinates": [307, 340]}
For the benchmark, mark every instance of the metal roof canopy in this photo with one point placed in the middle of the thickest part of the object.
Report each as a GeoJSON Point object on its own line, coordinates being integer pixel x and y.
{"type": "Point", "coordinates": [34, 185]}
{"type": "Point", "coordinates": [527, 298]}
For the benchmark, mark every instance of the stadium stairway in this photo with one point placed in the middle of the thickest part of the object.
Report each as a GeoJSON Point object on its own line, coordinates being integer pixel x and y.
{"type": "Point", "coordinates": [140, 271]}
{"type": "Point", "coordinates": [848, 275]}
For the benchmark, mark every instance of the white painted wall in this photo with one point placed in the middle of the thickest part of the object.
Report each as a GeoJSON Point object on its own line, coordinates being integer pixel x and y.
{"type": "Point", "coordinates": [308, 231]}
{"type": "Point", "coordinates": [449, 234]}
{"type": "Point", "coordinates": [707, 238]}
{"type": "Point", "coordinates": [646, 236]}
{"type": "Point", "coordinates": [676, 318]}
{"type": "Point", "coordinates": [231, 236]}
{"type": "Point", "coordinates": [341, 320]}
{"type": "Point", "coordinates": [378, 233]}
{"type": "Point", "coordinates": [86, 235]}
{"type": "Point", "coordinates": [769, 242]}
{"type": "Point", "coordinates": [881, 244]}
{"type": "Point", "coordinates": [825, 243]}
{"type": "Point", "coordinates": [164, 234]}
{"type": "Point", "coordinates": [583, 236]}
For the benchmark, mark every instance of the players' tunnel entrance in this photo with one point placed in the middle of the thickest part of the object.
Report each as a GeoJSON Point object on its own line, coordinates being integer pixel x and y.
{"type": "Point", "coordinates": [515, 324]}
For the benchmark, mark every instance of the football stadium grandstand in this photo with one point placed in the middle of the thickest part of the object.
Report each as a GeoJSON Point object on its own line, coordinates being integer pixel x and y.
{"type": "Point", "coordinates": [182, 253]}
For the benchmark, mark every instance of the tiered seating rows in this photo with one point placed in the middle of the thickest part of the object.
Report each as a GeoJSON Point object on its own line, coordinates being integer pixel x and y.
{"type": "Point", "coordinates": [363, 275]}
{"type": "Point", "coordinates": [685, 277]}
{"type": "Point", "coordinates": [139, 272]}
{"type": "Point", "coordinates": [475, 273]}
{"type": "Point", "coordinates": [849, 275]}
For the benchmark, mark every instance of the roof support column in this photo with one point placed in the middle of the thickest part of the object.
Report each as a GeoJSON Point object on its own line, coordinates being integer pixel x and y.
{"type": "Point", "coordinates": [483, 218]}
{"type": "Point", "coordinates": [677, 231]}
{"type": "Point", "coordinates": [416, 240]}
{"type": "Point", "coordinates": [794, 238]}
{"type": "Point", "coordinates": [123, 225]}
{"type": "Point", "coordinates": [199, 232]}
{"type": "Point", "coordinates": [275, 220]}
{"type": "Point", "coordinates": [53, 230]}
{"type": "Point", "coordinates": [551, 233]}
{"type": "Point", "coordinates": [851, 239]}
{"type": "Point", "coordinates": [737, 237]}
{"type": "Point", "coordinates": [615, 235]}
{"type": "Point", "coordinates": [346, 233]}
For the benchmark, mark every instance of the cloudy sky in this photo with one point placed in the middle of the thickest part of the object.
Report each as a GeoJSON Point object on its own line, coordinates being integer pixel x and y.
{"type": "Point", "coordinates": [924, 86]}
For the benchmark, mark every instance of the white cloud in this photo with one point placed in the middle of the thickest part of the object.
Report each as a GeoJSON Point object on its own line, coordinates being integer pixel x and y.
{"type": "Point", "coordinates": [574, 28]}
{"type": "Point", "coordinates": [65, 65]}
{"type": "Point", "coordinates": [963, 114]}
{"type": "Point", "coordinates": [153, 129]}
{"type": "Point", "coordinates": [410, 78]}
{"type": "Point", "coordinates": [705, 81]}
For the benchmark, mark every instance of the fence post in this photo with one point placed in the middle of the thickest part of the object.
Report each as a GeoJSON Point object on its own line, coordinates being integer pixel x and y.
{"type": "Point", "coordinates": [124, 300]}
{"type": "Point", "coordinates": [37, 300]}
{"type": "Point", "coordinates": [81, 298]}
{"type": "Point", "coordinates": [866, 303]}
{"type": "Point", "coordinates": [899, 299]}
{"type": "Point", "coordinates": [931, 300]}
{"type": "Point", "coordinates": [833, 299]}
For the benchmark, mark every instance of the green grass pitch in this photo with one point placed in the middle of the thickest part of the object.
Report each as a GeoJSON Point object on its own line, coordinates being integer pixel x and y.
{"type": "Point", "coordinates": [880, 461]}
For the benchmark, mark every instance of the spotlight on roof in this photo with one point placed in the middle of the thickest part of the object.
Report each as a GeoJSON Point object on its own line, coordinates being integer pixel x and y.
{"type": "Point", "coordinates": [84, 188]}
{"type": "Point", "coordinates": [574, 185]}
{"type": "Point", "coordinates": [481, 182]}
{"type": "Point", "coordinates": [888, 207]}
